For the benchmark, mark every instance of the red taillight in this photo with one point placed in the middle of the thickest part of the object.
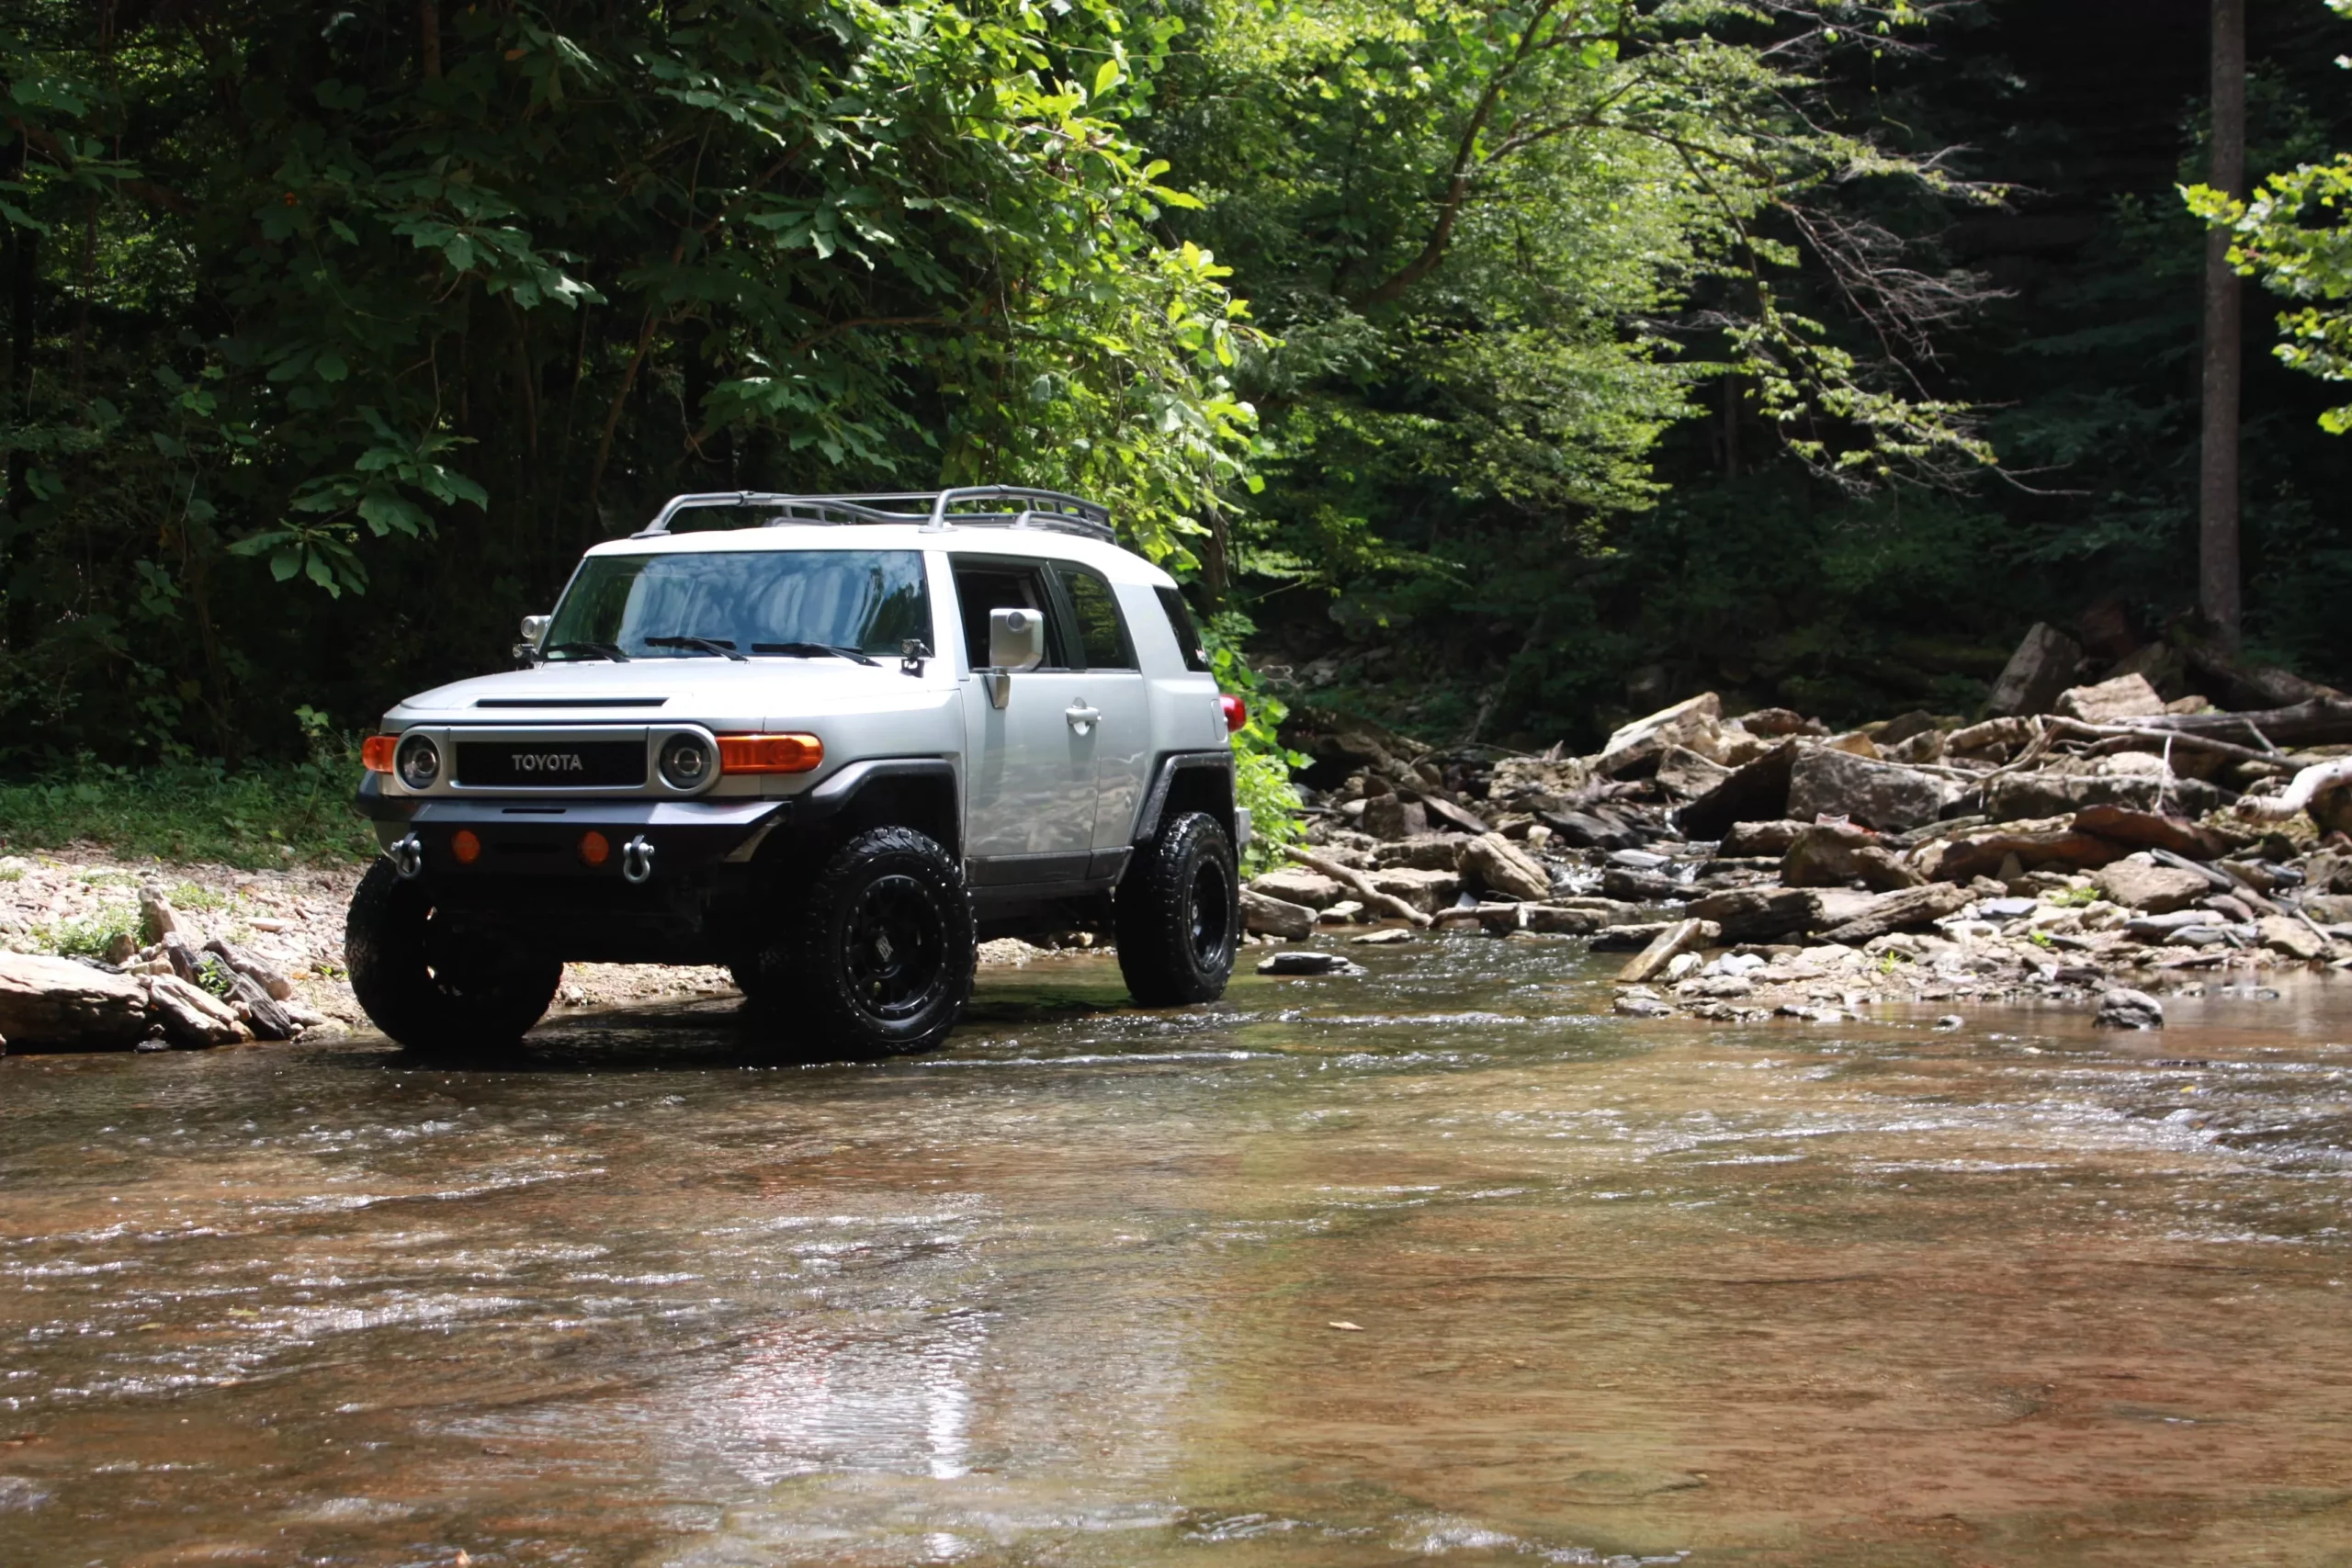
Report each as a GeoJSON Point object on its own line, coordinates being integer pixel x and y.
{"type": "Point", "coordinates": [769, 753]}
{"type": "Point", "coordinates": [1236, 712]}
{"type": "Point", "coordinates": [376, 753]}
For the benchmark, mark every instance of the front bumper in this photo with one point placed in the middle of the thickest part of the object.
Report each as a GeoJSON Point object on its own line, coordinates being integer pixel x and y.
{"type": "Point", "coordinates": [542, 838]}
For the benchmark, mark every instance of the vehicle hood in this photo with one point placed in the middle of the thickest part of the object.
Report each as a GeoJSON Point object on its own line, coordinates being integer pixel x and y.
{"type": "Point", "coordinates": [718, 693]}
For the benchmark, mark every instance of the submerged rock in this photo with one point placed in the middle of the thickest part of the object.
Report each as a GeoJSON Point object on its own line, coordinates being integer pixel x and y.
{"type": "Point", "coordinates": [1303, 962]}
{"type": "Point", "coordinates": [2122, 1007]}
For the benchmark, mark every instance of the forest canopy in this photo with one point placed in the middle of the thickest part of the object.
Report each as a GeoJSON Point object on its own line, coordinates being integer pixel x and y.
{"type": "Point", "coordinates": [1518, 360]}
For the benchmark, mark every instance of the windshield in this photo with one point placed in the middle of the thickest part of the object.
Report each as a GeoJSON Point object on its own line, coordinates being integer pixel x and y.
{"type": "Point", "coordinates": [757, 601]}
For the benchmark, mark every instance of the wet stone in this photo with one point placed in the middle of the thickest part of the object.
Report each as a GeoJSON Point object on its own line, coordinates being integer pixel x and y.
{"type": "Point", "coordinates": [1306, 963]}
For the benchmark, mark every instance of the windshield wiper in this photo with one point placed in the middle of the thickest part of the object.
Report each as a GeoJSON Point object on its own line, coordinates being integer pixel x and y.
{"type": "Point", "coordinates": [601, 649]}
{"type": "Point", "coordinates": [718, 645]}
{"type": "Point", "coordinates": [810, 651]}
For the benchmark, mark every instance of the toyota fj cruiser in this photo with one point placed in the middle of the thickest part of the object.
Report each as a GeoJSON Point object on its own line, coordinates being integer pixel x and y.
{"type": "Point", "coordinates": [832, 752]}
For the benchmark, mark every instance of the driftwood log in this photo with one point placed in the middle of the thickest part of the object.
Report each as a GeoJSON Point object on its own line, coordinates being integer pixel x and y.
{"type": "Point", "coordinates": [2322, 721]}
{"type": "Point", "coordinates": [2300, 792]}
{"type": "Point", "coordinates": [1357, 883]}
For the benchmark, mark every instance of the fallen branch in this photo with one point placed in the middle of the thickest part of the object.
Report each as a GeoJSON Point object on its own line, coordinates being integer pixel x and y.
{"type": "Point", "coordinates": [1355, 881]}
{"type": "Point", "coordinates": [2115, 732]}
{"type": "Point", "coordinates": [2322, 721]}
{"type": "Point", "coordinates": [2304, 789]}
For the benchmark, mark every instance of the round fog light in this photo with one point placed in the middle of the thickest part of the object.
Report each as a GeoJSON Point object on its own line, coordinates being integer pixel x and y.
{"type": "Point", "coordinates": [418, 761]}
{"type": "Point", "coordinates": [685, 761]}
{"type": "Point", "coordinates": [594, 848]}
{"type": "Point", "coordinates": [465, 846]}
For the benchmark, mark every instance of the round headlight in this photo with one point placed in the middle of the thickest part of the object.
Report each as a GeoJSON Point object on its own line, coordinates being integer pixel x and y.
{"type": "Point", "coordinates": [418, 761]}
{"type": "Point", "coordinates": [685, 761]}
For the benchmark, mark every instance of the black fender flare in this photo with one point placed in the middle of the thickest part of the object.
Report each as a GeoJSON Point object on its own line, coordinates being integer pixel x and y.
{"type": "Point", "coordinates": [1164, 781]}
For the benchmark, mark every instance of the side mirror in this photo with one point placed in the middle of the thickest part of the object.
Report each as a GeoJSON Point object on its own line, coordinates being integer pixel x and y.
{"type": "Point", "coordinates": [1016, 642]}
{"type": "Point", "coordinates": [1016, 639]}
{"type": "Point", "coordinates": [535, 627]}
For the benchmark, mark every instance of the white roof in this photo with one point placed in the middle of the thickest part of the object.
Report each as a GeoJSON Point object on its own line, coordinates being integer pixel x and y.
{"type": "Point", "coordinates": [1110, 561]}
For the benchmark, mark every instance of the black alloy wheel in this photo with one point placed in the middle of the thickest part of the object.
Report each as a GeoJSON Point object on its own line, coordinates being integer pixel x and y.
{"type": "Point", "coordinates": [437, 989]}
{"type": "Point", "coordinates": [894, 948]}
{"type": "Point", "coordinates": [1178, 916]}
{"type": "Point", "coordinates": [874, 954]}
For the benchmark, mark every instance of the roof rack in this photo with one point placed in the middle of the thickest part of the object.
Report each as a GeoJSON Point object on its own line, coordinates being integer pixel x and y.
{"type": "Point", "coordinates": [935, 510]}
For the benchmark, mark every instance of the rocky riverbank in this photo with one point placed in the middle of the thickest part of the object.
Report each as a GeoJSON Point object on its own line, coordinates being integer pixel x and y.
{"type": "Point", "coordinates": [2108, 846]}
{"type": "Point", "coordinates": [98, 953]}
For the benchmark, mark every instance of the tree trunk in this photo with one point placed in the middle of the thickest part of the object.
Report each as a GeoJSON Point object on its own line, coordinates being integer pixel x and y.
{"type": "Point", "coordinates": [2217, 531]}
{"type": "Point", "coordinates": [24, 282]}
{"type": "Point", "coordinates": [428, 37]}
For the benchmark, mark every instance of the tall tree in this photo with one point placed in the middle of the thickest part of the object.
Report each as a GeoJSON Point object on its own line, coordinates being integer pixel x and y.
{"type": "Point", "coordinates": [2218, 488]}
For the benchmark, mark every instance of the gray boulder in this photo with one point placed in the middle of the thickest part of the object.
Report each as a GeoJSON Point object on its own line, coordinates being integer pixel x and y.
{"type": "Point", "coordinates": [1892, 912]}
{"type": "Point", "coordinates": [1264, 915]}
{"type": "Point", "coordinates": [2042, 667]}
{"type": "Point", "coordinates": [1884, 795]}
{"type": "Point", "coordinates": [1494, 863]}
{"type": "Point", "coordinates": [2118, 700]}
{"type": "Point", "coordinates": [1753, 914]}
{"type": "Point", "coordinates": [2158, 889]}
{"type": "Point", "coordinates": [54, 1002]}
{"type": "Point", "coordinates": [1297, 884]}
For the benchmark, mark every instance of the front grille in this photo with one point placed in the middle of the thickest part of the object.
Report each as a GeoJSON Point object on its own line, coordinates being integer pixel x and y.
{"type": "Point", "coordinates": [550, 764]}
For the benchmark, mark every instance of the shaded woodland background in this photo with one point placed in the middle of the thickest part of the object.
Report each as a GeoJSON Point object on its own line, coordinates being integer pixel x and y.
{"type": "Point", "coordinates": [332, 341]}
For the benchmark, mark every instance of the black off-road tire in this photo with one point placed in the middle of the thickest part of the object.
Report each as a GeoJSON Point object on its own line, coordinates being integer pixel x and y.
{"type": "Point", "coordinates": [479, 997]}
{"type": "Point", "coordinates": [1179, 914]}
{"type": "Point", "coordinates": [873, 955]}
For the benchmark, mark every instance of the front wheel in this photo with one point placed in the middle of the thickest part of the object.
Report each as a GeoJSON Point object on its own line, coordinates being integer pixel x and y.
{"type": "Point", "coordinates": [1178, 915]}
{"type": "Point", "coordinates": [875, 955]}
{"type": "Point", "coordinates": [432, 988]}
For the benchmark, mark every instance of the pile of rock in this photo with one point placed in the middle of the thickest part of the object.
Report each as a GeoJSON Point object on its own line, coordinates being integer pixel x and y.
{"type": "Point", "coordinates": [179, 989]}
{"type": "Point", "coordinates": [1761, 863]}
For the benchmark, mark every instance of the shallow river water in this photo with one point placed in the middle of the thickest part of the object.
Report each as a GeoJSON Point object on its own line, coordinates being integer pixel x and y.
{"type": "Point", "coordinates": [1441, 1263]}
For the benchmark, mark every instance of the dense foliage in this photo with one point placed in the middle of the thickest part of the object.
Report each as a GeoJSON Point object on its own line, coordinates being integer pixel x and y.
{"type": "Point", "coordinates": [1409, 582]}
{"type": "Point", "coordinates": [338, 334]}
{"type": "Point", "coordinates": [1507, 364]}
{"type": "Point", "coordinates": [2310, 262]}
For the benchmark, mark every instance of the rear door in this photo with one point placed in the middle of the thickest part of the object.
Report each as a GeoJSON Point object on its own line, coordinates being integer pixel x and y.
{"type": "Point", "coordinates": [1030, 776]}
{"type": "Point", "coordinates": [1113, 686]}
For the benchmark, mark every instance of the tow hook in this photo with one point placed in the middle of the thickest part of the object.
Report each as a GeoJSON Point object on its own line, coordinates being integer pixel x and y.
{"type": "Point", "coordinates": [636, 860]}
{"type": "Point", "coordinates": [407, 857]}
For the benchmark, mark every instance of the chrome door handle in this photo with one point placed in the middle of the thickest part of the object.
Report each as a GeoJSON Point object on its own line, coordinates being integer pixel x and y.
{"type": "Point", "coordinates": [1082, 718]}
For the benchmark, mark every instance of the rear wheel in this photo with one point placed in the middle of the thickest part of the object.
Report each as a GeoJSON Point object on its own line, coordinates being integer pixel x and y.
{"type": "Point", "coordinates": [430, 986]}
{"type": "Point", "coordinates": [873, 955]}
{"type": "Point", "coordinates": [1178, 916]}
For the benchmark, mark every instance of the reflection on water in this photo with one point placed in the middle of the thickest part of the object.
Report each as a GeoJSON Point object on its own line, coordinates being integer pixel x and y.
{"type": "Point", "coordinates": [1444, 1263]}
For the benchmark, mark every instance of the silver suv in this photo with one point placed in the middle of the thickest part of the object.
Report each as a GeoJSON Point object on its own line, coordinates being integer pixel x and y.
{"type": "Point", "coordinates": [833, 749]}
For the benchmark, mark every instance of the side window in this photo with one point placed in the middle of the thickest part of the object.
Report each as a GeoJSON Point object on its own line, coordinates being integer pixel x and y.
{"type": "Point", "coordinates": [1179, 621]}
{"type": "Point", "coordinates": [982, 586]}
{"type": "Point", "coordinates": [1101, 634]}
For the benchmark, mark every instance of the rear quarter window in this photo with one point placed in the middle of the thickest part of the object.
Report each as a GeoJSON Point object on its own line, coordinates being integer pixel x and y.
{"type": "Point", "coordinates": [1101, 634]}
{"type": "Point", "coordinates": [1188, 636]}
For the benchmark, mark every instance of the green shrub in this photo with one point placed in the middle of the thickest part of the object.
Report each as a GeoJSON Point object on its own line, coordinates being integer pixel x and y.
{"type": "Point", "coordinates": [266, 815]}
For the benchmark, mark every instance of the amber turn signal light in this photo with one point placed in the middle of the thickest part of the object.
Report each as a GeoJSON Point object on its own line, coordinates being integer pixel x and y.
{"type": "Point", "coordinates": [1236, 712]}
{"type": "Point", "coordinates": [594, 848]}
{"type": "Point", "coordinates": [376, 753]}
{"type": "Point", "coordinates": [769, 753]}
{"type": "Point", "coordinates": [465, 846]}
